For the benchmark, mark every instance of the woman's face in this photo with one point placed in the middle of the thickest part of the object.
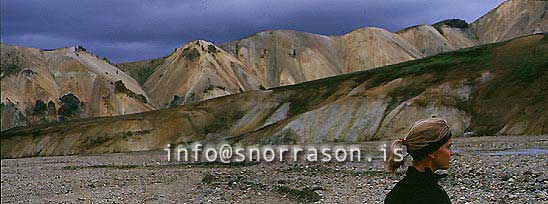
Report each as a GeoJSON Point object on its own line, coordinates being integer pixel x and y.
{"type": "Point", "coordinates": [442, 157]}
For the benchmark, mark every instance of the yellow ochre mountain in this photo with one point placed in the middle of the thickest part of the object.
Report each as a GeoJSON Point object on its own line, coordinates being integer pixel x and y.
{"type": "Point", "coordinates": [44, 86]}
{"type": "Point", "coordinates": [285, 57]}
{"type": "Point", "coordinates": [198, 71]}
{"type": "Point", "coordinates": [512, 19]}
{"type": "Point", "coordinates": [492, 89]}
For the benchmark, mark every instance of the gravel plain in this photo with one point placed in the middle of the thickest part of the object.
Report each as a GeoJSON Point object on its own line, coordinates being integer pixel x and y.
{"type": "Point", "coordinates": [501, 169]}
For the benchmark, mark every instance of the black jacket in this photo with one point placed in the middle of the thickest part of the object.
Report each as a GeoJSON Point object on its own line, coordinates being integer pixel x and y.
{"type": "Point", "coordinates": [418, 187]}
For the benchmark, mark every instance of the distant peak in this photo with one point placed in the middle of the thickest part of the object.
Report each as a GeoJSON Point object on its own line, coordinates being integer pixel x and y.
{"type": "Point", "coordinates": [197, 43]}
{"type": "Point", "coordinates": [194, 49]}
{"type": "Point", "coordinates": [453, 23]}
{"type": "Point", "coordinates": [421, 26]}
{"type": "Point", "coordinates": [369, 29]}
{"type": "Point", "coordinates": [80, 48]}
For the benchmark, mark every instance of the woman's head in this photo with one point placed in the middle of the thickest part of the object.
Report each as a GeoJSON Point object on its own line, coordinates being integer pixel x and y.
{"type": "Point", "coordinates": [426, 140]}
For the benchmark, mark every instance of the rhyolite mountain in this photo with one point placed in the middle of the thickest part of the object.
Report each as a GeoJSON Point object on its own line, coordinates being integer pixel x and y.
{"type": "Point", "coordinates": [493, 89]}
{"type": "Point", "coordinates": [201, 70]}
{"type": "Point", "coordinates": [198, 71]}
{"type": "Point", "coordinates": [285, 57]}
{"type": "Point", "coordinates": [512, 19]}
{"type": "Point", "coordinates": [289, 57]}
{"type": "Point", "coordinates": [50, 85]}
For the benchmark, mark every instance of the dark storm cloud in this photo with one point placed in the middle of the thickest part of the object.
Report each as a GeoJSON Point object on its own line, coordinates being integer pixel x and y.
{"type": "Point", "coordinates": [127, 30]}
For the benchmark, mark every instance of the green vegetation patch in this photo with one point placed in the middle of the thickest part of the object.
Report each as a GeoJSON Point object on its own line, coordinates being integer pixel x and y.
{"type": "Point", "coordinates": [142, 70]}
{"type": "Point", "coordinates": [518, 87]}
{"type": "Point", "coordinates": [305, 97]}
{"type": "Point", "coordinates": [129, 134]}
{"type": "Point", "coordinates": [39, 108]}
{"type": "Point", "coordinates": [191, 54]}
{"type": "Point", "coordinates": [211, 87]}
{"type": "Point", "coordinates": [11, 63]}
{"type": "Point", "coordinates": [81, 48]}
{"type": "Point", "coordinates": [404, 93]}
{"type": "Point", "coordinates": [211, 49]}
{"type": "Point", "coordinates": [530, 68]}
{"type": "Point", "coordinates": [223, 121]}
{"type": "Point", "coordinates": [453, 23]}
{"type": "Point", "coordinates": [141, 75]}
{"type": "Point", "coordinates": [71, 107]}
{"type": "Point", "coordinates": [120, 87]}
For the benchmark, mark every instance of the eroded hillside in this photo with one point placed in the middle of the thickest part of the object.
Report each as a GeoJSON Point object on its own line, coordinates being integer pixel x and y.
{"type": "Point", "coordinates": [44, 86]}
{"type": "Point", "coordinates": [198, 71]}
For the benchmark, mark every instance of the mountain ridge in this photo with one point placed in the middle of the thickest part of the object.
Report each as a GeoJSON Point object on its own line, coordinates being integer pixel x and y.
{"type": "Point", "coordinates": [283, 57]}
{"type": "Point", "coordinates": [493, 89]}
{"type": "Point", "coordinates": [263, 60]}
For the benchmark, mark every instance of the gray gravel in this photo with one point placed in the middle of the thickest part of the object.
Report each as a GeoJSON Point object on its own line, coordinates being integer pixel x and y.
{"type": "Point", "coordinates": [479, 174]}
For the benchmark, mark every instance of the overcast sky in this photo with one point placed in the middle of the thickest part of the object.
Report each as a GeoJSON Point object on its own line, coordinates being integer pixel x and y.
{"type": "Point", "coordinates": [130, 30]}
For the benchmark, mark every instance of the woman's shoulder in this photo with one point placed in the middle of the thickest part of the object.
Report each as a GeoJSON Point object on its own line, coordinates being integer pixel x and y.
{"type": "Point", "coordinates": [402, 191]}
{"type": "Point", "coordinates": [415, 189]}
{"type": "Point", "coordinates": [409, 192]}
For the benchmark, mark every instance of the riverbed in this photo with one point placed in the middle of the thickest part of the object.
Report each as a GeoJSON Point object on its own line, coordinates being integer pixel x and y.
{"type": "Point", "coordinates": [494, 169]}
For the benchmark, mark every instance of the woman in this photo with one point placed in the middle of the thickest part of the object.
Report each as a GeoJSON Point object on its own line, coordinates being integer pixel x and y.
{"type": "Point", "coordinates": [428, 142]}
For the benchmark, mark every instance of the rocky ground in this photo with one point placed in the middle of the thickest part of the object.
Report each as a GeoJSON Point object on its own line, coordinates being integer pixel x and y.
{"type": "Point", "coordinates": [485, 170]}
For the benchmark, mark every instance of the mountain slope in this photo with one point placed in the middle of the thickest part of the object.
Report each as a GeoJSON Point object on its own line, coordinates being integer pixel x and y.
{"type": "Point", "coordinates": [284, 57]}
{"type": "Point", "coordinates": [370, 47]}
{"type": "Point", "coordinates": [512, 19]}
{"type": "Point", "coordinates": [198, 71]}
{"type": "Point", "coordinates": [491, 89]}
{"type": "Point", "coordinates": [41, 86]}
{"type": "Point", "coordinates": [141, 70]}
{"type": "Point", "coordinates": [444, 36]}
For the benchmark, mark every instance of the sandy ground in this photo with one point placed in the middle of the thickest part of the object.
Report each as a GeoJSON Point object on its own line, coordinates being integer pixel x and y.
{"type": "Point", "coordinates": [485, 170]}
